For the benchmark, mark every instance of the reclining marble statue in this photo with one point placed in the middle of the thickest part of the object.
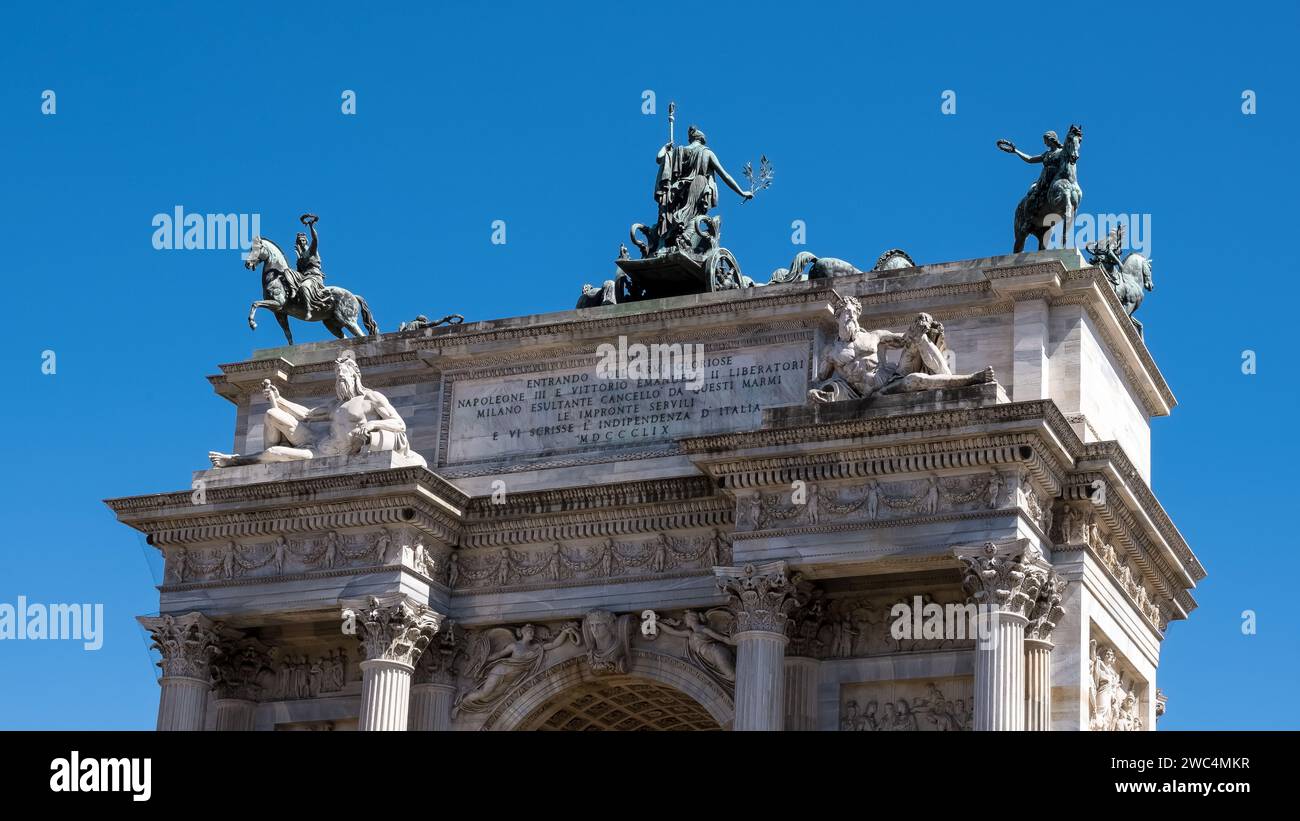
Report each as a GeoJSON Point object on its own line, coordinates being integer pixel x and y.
{"type": "Point", "coordinates": [853, 366]}
{"type": "Point", "coordinates": [363, 421]}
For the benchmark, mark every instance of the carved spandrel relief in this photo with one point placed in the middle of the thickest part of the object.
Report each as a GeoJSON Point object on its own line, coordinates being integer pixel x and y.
{"type": "Point", "coordinates": [922, 705]}
{"type": "Point", "coordinates": [499, 659]}
{"type": "Point", "coordinates": [707, 638]}
{"type": "Point", "coordinates": [606, 559]}
{"type": "Point", "coordinates": [1114, 696]}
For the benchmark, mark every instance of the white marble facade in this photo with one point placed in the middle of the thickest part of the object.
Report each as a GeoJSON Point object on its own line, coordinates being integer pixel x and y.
{"type": "Point", "coordinates": [587, 554]}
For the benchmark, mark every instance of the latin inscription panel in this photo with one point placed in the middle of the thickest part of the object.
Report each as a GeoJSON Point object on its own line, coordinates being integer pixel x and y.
{"type": "Point", "coordinates": [573, 409]}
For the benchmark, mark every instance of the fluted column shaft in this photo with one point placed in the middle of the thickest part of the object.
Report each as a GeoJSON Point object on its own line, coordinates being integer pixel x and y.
{"type": "Point", "coordinates": [183, 703]}
{"type": "Point", "coordinates": [431, 706]}
{"type": "Point", "coordinates": [1038, 684]}
{"type": "Point", "coordinates": [385, 694]}
{"type": "Point", "coordinates": [235, 714]}
{"type": "Point", "coordinates": [1000, 673]}
{"type": "Point", "coordinates": [760, 680]}
{"type": "Point", "coordinates": [800, 693]}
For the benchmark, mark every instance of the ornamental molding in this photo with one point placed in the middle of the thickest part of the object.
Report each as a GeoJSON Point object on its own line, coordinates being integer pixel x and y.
{"type": "Point", "coordinates": [718, 512]}
{"type": "Point", "coordinates": [590, 497]}
{"type": "Point", "coordinates": [284, 557]}
{"type": "Point", "coordinates": [201, 528]}
{"type": "Point", "coordinates": [397, 479]}
{"type": "Point", "coordinates": [810, 507]}
{"type": "Point", "coordinates": [1003, 452]}
{"type": "Point", "coordinates": [565, 564]}
{"type": "Point", "coordinates": [1042, 411]}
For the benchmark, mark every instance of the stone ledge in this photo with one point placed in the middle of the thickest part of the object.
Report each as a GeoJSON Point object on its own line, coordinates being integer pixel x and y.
{"type": "Point", "coordinates": [971, 396]}
{"type": "Point", "coordinates": [302, 469]}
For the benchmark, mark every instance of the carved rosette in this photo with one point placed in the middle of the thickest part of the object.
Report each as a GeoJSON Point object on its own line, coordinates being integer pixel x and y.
{"type": "Point", "coordinates": [762, 596]}
{"type": "Point", "coordinates": [1047, 610]}
{"type": "Point", "coordinates": [187, 643]}
{"type": "Point", "coordinates": [1003, 578]}
{"type": "Point", "coordinates": [237, 670]}
{"type": "Point", "coordinates": [393, 628]}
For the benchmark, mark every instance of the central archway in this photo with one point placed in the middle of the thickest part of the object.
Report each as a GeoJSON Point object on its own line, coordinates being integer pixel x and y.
{"type": "Point", "coordinates": [621, 703]}
{"type": "Point", "coordinates": [657, 692]}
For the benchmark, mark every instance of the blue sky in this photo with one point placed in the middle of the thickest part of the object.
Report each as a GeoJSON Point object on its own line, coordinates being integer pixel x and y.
{"type": "Point", "coordinates": [531, 113]}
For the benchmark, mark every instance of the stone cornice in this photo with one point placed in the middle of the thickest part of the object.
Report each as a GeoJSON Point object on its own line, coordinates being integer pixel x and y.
{"type": "Point", "coordinates": [590, 497]}
{"type": "Point", "coordinates": [410, 496]}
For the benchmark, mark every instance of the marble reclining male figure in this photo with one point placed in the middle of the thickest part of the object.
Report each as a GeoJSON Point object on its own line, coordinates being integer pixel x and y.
{"type": "Point", "coordinates": [363, 421]}
{"type": "Point", "coordinates": [852, 365]}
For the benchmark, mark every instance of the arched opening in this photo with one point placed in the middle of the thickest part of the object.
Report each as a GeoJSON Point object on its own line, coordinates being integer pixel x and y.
{"type": "Point", "coordinates": [623, 703]}
{"type": "Point", "coordinates": [656, 692]}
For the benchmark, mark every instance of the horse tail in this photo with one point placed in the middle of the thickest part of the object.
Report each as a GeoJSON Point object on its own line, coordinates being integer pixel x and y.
{"type": "Point", "coordinates": [367, 318]}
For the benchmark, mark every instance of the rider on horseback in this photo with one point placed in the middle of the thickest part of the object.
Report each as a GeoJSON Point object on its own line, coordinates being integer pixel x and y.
{"type": "Point", "coordinates": [308, 280]}
{"type": "Point", "coordinates": [1051, 162]}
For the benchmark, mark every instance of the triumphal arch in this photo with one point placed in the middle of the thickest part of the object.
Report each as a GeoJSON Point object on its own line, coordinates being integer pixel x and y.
{"type": "Point", "coordinates": [730, 507]}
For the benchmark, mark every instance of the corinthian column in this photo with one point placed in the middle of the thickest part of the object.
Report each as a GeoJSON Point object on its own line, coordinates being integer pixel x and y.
{"type": "Point", "coordinates": [434, 685]}
{"type": "Point", "coordinates": [761, 599]}
{"type": "Point", "coordinates": [1043, 617]}
{"type": "Point", "coordinates": [393, 631]}
{"type": "Point", "coordinates": [187, 644]}
{"type": "Point", "coordinates": [1003, 581]}
{"type": "Point", "coordinates": [236, 682]}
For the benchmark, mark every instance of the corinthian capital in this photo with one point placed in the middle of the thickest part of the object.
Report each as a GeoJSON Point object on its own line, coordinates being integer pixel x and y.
{"type": "Point", "coordinates": [1005, 578]}
{"type": "Point", "coordinates": [762, 596]}
{"type": "Point", "coordinates": [1047, 610]}
{"type": "Point", "coordinates": [237, 670]}
{"type": "Point", "coordinates": [187, 643]}
{"type": "Point", "coordinates": [392, 628]}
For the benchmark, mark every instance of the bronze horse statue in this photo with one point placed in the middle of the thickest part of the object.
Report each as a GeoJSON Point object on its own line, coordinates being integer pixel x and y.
{"type": "Point", "coordinates": [343, 306]}
{"type": "Point", "coordinates": [1054, 197]}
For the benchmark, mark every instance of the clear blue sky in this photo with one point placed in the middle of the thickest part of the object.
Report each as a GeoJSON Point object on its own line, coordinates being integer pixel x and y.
{"type": "Point", "coordinates": [531, 113]}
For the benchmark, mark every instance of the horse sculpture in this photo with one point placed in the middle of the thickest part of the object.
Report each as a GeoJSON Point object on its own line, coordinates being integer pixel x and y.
{"type": "Point", "coordinates": [1055, 196]}
{"type": "Point", "coordinates": [818, 268]}
{"type": "Point", "coordinates": [341, 314]}
{"type": "Point", "coordinates": [1130, 277]}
